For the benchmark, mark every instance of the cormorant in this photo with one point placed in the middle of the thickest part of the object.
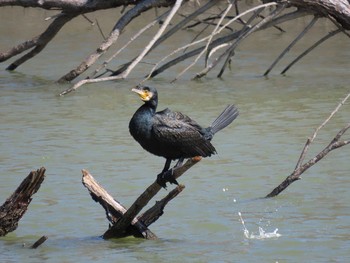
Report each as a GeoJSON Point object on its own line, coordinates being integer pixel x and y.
{"type": "Point", "coordinates": [171, 134]}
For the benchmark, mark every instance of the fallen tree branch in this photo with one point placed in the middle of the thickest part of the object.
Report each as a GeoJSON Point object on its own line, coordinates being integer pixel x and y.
{"type": "Point", "coordinates": [120, 228]}
{"type": "Point", "coordinates": [152, 214]}
{"type": "Point", "coordinates": [38, 42]}
{"type": "Point", "coordinates": [329, 35]}
{"type": "Point", "coordinates": [114, 210]}
{"type": "Point", "coordinates": [139, 8]}
{"type": "Point", "coordinates": [338, 11]}
{"type": "Point", "coordinates": [223, 40]}
{"type": "Point", "coordinates": [17, 204]}
{"type": "Point", "coordinates": [125, 221]}
{"type": "Point", "coordinates": [300, 167]}
{"type": "Point", "coordinates": [305, 30]}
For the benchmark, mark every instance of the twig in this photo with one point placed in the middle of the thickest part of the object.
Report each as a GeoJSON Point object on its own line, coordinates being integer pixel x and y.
{"type": "Point", "coordinates": [85, 81]}
{"type": "Point", "coordinates": [176, 6]}
{"type": "Point", "coordinates": [132, 39]}
{"type": "Point", "coordinates": [171, 32]}
{"type": "Point", "coordinates": [241, 35]}
{"type": "Point", "coordinates": [140, 7]}
{"type": "Point", "coordinates": [312, 138]}
{"type": "Point", "coordinates": [226, 39]}
{"type": "Point", "coordinates": [208, 42]}
{"type": "Point", "coordinates": [100, 29]}
{"type": "Point", "coordinates": [88, 19]}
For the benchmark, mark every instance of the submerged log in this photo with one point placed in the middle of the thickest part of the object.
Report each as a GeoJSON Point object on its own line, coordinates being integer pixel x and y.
{"type": "Point", "coordinates": [16, 205]}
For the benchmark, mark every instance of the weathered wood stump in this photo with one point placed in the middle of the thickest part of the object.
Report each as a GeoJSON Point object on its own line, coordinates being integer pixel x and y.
{"type": "Point", "coordinates": [16, 205]}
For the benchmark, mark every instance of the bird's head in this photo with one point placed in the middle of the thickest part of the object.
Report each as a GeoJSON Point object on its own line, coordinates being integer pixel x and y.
{"type": "Point", "coordinates": [146, 93]}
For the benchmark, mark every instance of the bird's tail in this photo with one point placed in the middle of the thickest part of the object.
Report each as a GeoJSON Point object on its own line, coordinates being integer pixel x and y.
{"type": "Point", "coordinates": [229, 114]}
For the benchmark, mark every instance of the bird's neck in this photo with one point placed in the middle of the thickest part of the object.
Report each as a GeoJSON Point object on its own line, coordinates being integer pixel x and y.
{"type": "Point", "coordinates": [150, 106]}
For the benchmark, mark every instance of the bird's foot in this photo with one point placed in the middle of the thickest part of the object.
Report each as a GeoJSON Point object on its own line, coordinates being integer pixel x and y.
{"type": "Point", "coordinates": [166, 177]}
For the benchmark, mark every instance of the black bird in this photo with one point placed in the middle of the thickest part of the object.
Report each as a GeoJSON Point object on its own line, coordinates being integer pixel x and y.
{"type": "Point", "coordinates": [171, 134]}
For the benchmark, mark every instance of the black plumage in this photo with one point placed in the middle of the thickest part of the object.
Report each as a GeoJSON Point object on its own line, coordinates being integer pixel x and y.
{"type": "Point", "coordinates": [171, 134]}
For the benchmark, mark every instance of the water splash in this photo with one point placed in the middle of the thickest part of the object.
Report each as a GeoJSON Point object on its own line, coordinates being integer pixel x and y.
{"type": "Point", "coordinates": [262, 233]}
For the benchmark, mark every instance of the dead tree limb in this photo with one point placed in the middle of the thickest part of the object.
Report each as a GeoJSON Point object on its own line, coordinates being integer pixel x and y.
{"type": "Point", "coordinates": [114, 210]}
{"type": "Point", "coordinates": [338, 11]}
{"type": "Point", "coordinates": [222, 40]}
{"type": "Point", "coordinates": [329, 35]}
{"type": "Point", "coordinates": [17, 204]}
{"type": "Point", "coordinates": [152, 214]}
{"type": "Point", "coordinates": [286, 50]}
{"type": "Point", "coordinates": [38, 43]}
{"type": "Point", "coordinates": [300, 167]}
{"type": "Point", "coordinates": [119, 229]}
{"type": "Point", "coordinates": [124, 222]}
{"type": "Point", "coordinates": [139, 8]}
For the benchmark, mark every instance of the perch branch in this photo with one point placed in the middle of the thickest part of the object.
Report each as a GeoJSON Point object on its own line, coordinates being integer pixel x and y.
{"type": "Point", "coordinates": [114, 210]}
{"type": "Point", "coordinates": [301, 168]}
{"type": "Point", "coordinates": [120, 227]}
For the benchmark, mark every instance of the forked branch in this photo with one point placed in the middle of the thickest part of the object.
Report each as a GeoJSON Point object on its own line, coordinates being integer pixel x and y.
{"type": "Point", "coordinates": [300, 167]}
{"type": "Point", "coordinates": [125, 221]}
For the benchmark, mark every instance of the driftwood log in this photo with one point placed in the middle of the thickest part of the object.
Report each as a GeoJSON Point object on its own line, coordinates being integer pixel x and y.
{"type": "Point", "coordinates": [16, 205]}
{"type": "Point", "coordinates": [125, 222]}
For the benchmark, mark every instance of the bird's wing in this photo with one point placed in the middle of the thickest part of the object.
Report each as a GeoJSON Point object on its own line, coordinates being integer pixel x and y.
{"type": "Point", "coordinates": [177, 130]}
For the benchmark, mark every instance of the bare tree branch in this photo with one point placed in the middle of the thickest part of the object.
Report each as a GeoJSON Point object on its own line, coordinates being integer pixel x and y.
{"type": "Point", "coordinates": [38, 42]}
{"type": "Point", "coordinates": [114, 210]}
{"type": "Point", "coordinates": [120, 227]}
{"type": "Point", "coordinates": [142, 6]}
{"type": "Point", "coordinates": [306, 29]}
{"type": "Point", "coordinates": [300, 167]}
{"type": "Point", "coordinates": [329, 35]}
